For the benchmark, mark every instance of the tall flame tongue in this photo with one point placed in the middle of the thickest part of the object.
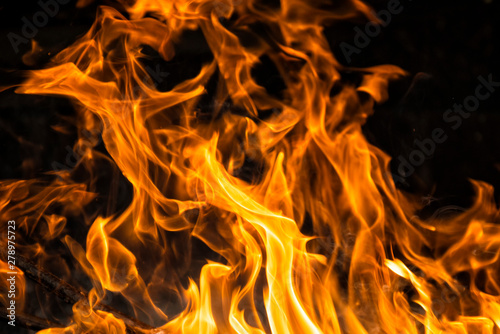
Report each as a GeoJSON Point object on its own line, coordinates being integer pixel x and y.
{"type": "Point", "coordinates": [367, 268]}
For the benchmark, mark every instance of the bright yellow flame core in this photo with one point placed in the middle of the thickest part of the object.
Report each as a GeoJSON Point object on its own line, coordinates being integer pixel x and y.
{"type": "Point", "coordinates": [316, 165]}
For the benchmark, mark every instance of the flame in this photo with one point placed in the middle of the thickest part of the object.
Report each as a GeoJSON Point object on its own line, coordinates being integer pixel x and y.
{"type": "Point", "coordinates": [368, 266]}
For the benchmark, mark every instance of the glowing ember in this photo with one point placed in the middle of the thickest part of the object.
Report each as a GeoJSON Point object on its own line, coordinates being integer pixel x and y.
{"type": "Point", "coordinates": [243, 179]}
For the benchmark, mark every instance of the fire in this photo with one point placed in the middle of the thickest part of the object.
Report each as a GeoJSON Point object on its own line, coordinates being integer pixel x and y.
{"type": "Point", "coordinates": [204, 245]}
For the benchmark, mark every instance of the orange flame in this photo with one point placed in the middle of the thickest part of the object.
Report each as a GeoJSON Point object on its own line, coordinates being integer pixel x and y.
{"type": "Point", "coordinates": [368, 267]}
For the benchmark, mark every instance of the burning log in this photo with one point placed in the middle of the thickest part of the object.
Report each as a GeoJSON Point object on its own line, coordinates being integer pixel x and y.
{"type": "Point", "coordinates": [68, 293]}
